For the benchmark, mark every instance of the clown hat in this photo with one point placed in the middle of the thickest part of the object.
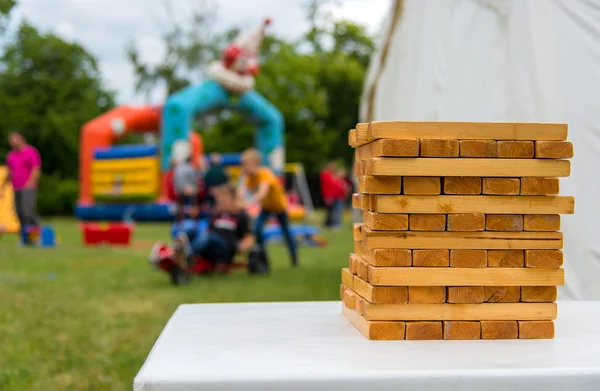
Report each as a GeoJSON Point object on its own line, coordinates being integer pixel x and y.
{"type": "Point", "coordinates": [250, 41]}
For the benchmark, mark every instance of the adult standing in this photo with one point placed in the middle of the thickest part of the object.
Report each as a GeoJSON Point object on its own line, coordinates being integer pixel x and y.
{"type": "Point", "coordinates": [24, 168]}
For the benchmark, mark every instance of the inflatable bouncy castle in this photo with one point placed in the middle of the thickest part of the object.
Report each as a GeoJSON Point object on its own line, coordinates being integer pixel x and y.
{"type": "Point", "coordinates": [132, 180]}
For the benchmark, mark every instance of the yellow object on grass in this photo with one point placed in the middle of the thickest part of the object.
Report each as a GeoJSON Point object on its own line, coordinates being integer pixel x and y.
{"type": "Point", "coordinates": [9, 222]}
{"type": "Point", "coordinates": [125, 177]}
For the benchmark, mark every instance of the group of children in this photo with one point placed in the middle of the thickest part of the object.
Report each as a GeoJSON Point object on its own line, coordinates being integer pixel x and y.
{"type": "Point", "coordinates": [207, 192]}
{"type": "Point", "coordinates": [335, 189]}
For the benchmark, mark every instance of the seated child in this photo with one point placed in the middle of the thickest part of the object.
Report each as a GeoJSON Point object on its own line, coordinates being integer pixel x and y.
{"type": "Point", "coordinates": [228, 233]}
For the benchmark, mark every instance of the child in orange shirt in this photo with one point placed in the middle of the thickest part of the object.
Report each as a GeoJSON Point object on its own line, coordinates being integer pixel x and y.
{"type": "Point", "coordinates": [266, 190]}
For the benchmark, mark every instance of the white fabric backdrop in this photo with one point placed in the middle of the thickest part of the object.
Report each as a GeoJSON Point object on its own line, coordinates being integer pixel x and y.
{"type": "Point", "coordinates": [507, 60]}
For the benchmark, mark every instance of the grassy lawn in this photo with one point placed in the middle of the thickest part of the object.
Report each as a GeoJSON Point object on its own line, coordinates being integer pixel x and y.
{"type": "Point", "coordinates": [76, 318]}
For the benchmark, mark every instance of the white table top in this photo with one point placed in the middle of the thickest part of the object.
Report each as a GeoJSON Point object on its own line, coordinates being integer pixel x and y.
{"type": "Point", "coordinates": [311, 346]}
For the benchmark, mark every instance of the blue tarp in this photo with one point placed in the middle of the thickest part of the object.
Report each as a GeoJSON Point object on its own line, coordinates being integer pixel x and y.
{"type": "Point", "coordinates": [126, 151]}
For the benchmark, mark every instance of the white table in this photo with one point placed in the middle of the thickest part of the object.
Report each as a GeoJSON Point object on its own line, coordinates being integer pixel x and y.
{"type": "Point", "coordinates": [311, 346]}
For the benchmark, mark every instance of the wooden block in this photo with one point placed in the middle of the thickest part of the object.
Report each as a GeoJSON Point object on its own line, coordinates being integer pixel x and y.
{"type": "Point", "coordinates": [356, 201]}
{"type": "Point", "coordinates": [343, 293]}
{"type": "Point", "coordinates": [423, 330]}
{"type": "Point", "coordinates": [347, 278]}
{"type": "Point", "coordinates": [441, 276]}
{"type": "Point", "coordinates": [431, 258]}
{"type": "Point", "coordinates": [361, 266]}
{"type": "Point", "coordinates": [506, 258]}
{"type": "Point", "coordinates": [467, 130]}
{"type": "Point", "coordinates": [468, 258]}
{"type": "Point", "coordinates": [546, 259]}
{"type": "Point", "coordinates": [352, 138]}
{"type": "Point", "coordinates": [390, 258]}
{"type": "Point", "coordinates": [501, 186]}
{"type": "Point", "coordinates": [507, 329]}
{"type": "Point", "coordinates": [502, 294]}
{"type": "Point", "coordinates": [539, 294]}
{"type": "Point", "coordinates": [466, 222]}
{"type": "Point", "coordinates": [357, 232]}
{"type": "Point", "coordinates": [427, 222]}
{"type": "Point", "coordinates": [541, 223]}
{"type": "Point", "coordinates": [350, 299]}
{"type": "Point", "coordinates": [353, 266]}
{"type": "Point", "coordinates": [465, 294]}
{"type": "Point", "coordinates": [389, 148]}
{"type": "Point", "coordinates": [462, 312]}
{"type": "Point", "coordinates": [515, 149]}
{"type": "Point", "coordinates": [478, 148]}
{"type": "Point", "coordinates": [366, 201]}
{"type": "Point", "coordinates": [375, 330]}
{"type": "Point", "coordinates": [362, 136]}
{"type": "Point", "coordinates": [385, 222]}
{"type": "Point", "coordinates": [439, 148]}
{"type": "Point", "coordinates": [540, 186]}
{"type": "Point", "coordinates": [462, 185]}
{"type": "Point", "coordinates": [457, 330]}
{"type": "Point", "coordinates": [458, 240]}
{"type": "Point", "coordinates": [379, 185]}
{"type": "Point", "coordinates": [512, 223]}
{"type": "Point", "coordinates": [466, 167]}
{"type": "Point", "coordinates": [422, 185]}
{"type": "Point", "coordinates": [473, 204]}
{"type": "Point", "coordinates": [426, 294]}
{"type": "Point", "coordinates": [381, 294]}
{"type": "Point", "coordinates": [553, 150]}
{"type": "Point", "coordinates": [541, 329]}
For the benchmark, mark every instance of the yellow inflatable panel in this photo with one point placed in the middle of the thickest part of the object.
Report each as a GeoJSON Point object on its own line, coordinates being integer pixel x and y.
{"type": "Point", "coordinates": [147, 163]}
{"type": "Point", "coordinates": [139, 188]}
{"type": "Point", "coordinates": [128, 176]}
{"type": "Point", "coordinates": [8, 217]}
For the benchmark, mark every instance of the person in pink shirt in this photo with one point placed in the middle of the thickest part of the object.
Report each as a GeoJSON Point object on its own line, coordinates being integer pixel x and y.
{"type": "Point", "coordinates": [24, 165]}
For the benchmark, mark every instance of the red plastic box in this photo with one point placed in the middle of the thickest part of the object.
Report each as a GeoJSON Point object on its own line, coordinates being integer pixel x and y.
{"type": "Point", "coordinates": [116, 234]}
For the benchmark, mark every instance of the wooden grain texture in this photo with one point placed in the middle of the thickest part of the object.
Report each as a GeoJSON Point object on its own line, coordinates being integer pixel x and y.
{"type": "Point", "coordinates": [462, 312]}
{"type": "Point", "coordinates": [541, 223]}
{"type": "Point", "coordinates": [496, 329]}
{"type": "Point", "coordinates": [543, 258]}
{"type": "Point", "coordinates": [389, 148]}
{"type": "Point", "coordinates": [515, 149]}
{"type": "Point", "coordinates": [478, 148]}
{"type": "Point", "coordinates": [473, 204]}
{"type": "Point", "coordinates": [347, 278]}
{"type": "Point", "coordinates": [356, 201]}
{"type": "Point", "coordinates": [439, 148]}
{"type": "Point", "coordinates": [426, 294]}
{"type": "Point", "coordinates": [541, 329]}
{"type": "Point", "coordinates": [360, 265]}
{"type": "Point", "coordinates": [462, 240]}
{"type": "Point", "coordinates": [379, 185]}
{"type": "Point", "coordinates": [362, 136]}
{"type": "Point", "coordinates": [352, 138]}
{"type": "Point", "coordinates": [502, 294]}
{"type": "Point", "coordinates": [467, 130]}
{"type": "Point", "coordinates": [462, 185]}
{"type": "Point", "coordinates": [380, 294]}
{"type": "Point", "coordinates": [539, 294]}
{"type": "Point", "coordinates": [466, 222]}
{"type": "Point", "coordinates": [501, 186]}
{"type": "Point", "coordinates": [375, 330]}
{"type": "Point", "coordinates": [431, 258]}
{"type": "Point", "coordinates": [506, 258]}
{"type": "Point", "coordinates": [439, 276]}
{"type": "Point", "coordinates": [507, 223]}
{"type": "Point", "coordinates": [540, 186]}
{"type": "Point", "coordinates": [553, 150]}
{"type": "Point", "coordinates": [457, 330]}
{"type": "Point", "coordinates": [468, 258]}
{"type": "Point", "coordinates": [357, 231]}
{"type": "Point", "coordinates": [423, 331]}
{"type": "Point", "coordinates": [385, 222]}
{"type": "Point", "coordinates": [427, 222]}
{"type": "Point", "coordinates": [386, 257]}
{"type": "Point", "coordinates": [465, 294]}
{"type": "Point", "coordinates": [466, 167]}
{"type": "Point", "coordinates": [422, 185]}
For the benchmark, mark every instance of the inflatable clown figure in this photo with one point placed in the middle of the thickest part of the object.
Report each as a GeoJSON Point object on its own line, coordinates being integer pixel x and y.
{"type": "Point", "coordinates": [230, 86]}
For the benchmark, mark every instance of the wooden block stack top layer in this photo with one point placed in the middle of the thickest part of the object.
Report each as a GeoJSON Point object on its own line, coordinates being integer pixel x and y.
{"type": "Point", "coordinates": [460, 236]}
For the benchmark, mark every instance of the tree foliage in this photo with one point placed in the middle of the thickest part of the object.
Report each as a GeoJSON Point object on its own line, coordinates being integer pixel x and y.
{"type": "Point", "coordinates": [48, 89]}
{"type": "Point", "coordinates": [315, 81]}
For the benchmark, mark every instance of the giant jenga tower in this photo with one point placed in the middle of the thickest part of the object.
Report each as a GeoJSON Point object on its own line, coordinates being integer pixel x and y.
{"type": "Point", "coordinates": [460, 235]}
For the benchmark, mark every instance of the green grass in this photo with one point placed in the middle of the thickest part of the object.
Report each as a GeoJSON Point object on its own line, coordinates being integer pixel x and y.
{"type": "Point", "coordinates": [77, 318]}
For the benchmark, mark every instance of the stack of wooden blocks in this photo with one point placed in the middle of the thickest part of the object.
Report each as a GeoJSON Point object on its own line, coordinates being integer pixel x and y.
{"type": "Point", "coordinates": [460, 235]}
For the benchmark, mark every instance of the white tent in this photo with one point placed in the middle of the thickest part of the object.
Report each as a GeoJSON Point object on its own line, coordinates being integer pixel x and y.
{"type": "Point", "coordinates": [504, 60]}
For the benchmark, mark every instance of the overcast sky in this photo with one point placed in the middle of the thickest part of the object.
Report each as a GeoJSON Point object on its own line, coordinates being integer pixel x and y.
{"type": "Point", "coordinates": [105, 27]}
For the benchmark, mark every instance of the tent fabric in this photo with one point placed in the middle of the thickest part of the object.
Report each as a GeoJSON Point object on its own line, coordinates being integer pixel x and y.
{"type": "Point", "coordinates": [509, 60]}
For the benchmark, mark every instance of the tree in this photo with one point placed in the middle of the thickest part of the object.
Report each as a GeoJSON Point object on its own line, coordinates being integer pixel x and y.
{"type": "Point", "coordinates": [48, 89]}
{"type": "Point", "coordinates": [6, 7]}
